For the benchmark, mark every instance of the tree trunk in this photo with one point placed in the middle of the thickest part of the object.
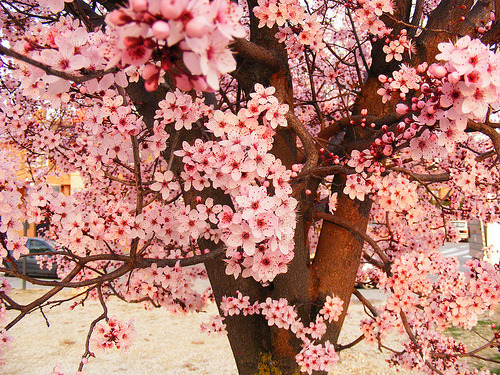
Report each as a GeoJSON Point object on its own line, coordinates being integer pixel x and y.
{"type": "Point", "coordinates": [258, 348]}
{"type": "Point", "coordinates": [249, 336]}
{"type": "Point", "coordinates": [338, 256]}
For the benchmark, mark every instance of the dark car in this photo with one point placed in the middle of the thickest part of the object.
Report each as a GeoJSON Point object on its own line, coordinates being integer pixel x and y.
{"type": "Point", "coordinates": [36, 246]}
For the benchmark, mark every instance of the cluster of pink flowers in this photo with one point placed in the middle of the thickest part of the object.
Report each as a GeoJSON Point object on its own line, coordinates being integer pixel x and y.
{"type": "Point", "coordinates": [184, 34]}
{"type": "Point", "coordinates": [368, 14]}
{"type": "Point", "coordinates": [312, 357]}
{"type": "Point", "coordinates": [317, 357]}
{"type": "Point", "coordinates": [188, 38]}
{"type": "Point", "coordinates": [259, 232]}
{"type": "Point", "coordinates": [394, 49]}
{"type": "Point", "coordinates": [432, 294]}
{"type": "Point", "coordinates": [427, 288]}
{"type": "Point", "coordinates": [11, 220]}
{"type": "Point", "coordinates": [168, 287]}
{"type": "Point", "coordinates": [179, 109]}
{"type": "Point", "coordinates": [472, 71]}
{"type": "Point", "coordinates": [214, 325]}
{"type": "Point", "coordinates": [114, 333]}
{"type": "Point", "coordinates": [402, 81]}
{"type": "Point", "coordinates": [394, 192]}
{"type": "Point", "coordinates": [451, 94]}
{"type": "Point", "coordinates": [358, 186]}
{"type": "Point", "coordinates": [68, 47]}
{"type": "Point", "coordinates": [297, 28]}
{"type": "Point", "coordinates": [462, 89]}
{"type": "Point", "coordinates": [431, 345]}
{"type": "Point", "coordinates": [370, 160]}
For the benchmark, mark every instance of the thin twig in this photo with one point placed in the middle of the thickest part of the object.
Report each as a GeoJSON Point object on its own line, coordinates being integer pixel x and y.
{"type": "Point", "coordinates": [104, 315]}
{"type": "Point", "coordinates": [51, 71]}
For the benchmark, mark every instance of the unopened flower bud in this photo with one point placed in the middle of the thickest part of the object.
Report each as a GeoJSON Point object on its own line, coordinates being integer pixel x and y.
{"type": "Point", "coordinates": [183, 82]}
{"type": "Point", "coordinates": [151, 84]}
{"type": "Point", "coordinates": [382, 78]}
{"type": "Point", "coordinates": [453, 77]}
{"type": "Point", "coordinates": [28, 47]}
{"type": "Point", "coordinates": [402, 109]}
{"type": "Point", "coordinates": [149, 71]}
{"type": "Point", "coordinates": [438, 71]}
{"type": "Point", "coordinates": [161, 29]}
{"type": "Point", "coordinates": [118, 18]}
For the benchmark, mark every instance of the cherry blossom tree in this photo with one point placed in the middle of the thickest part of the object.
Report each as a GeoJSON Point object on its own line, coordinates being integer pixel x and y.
{"type": "Point", "coordinates": [251, 144]}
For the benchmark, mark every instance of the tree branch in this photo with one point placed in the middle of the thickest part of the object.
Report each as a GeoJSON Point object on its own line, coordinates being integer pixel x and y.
{"type": "Point", "coordinates": [422, 177]}
{"type": "Point", "coordinates": [335, 127]}
{"type": "Point", "coordinates": [413, 338]}
{"type": "Point", "coordinates": [104, 315]}
{"type": "Point", "coordinates": [486, 130]}
{"type": "Point", "coordinates": [365, 302]}
{"type": "Point", "coordinates": [257, 54]}
{"type": "Point", "coordinates": [51, 71]}
{"type": "Point", "coordinates": [307, 140]}
{"type": "Point", "coordinates": [353, 230]}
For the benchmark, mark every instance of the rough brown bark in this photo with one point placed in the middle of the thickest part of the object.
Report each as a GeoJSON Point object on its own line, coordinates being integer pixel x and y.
{"type": "Point", "coordinates": [249, 336]}
{"type": "Point", "coordinates": [338, 257]}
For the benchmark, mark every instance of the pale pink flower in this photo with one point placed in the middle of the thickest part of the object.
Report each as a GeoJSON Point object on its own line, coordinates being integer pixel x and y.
{"type": "Point", "coordinates": [64, 58]}
{"type": "Point", "coordinates": [210, 58]}
{"type": "Point", "coordinates": [164, 184]}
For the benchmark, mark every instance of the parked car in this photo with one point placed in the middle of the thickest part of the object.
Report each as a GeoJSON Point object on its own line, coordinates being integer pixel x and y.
{"type": "Point", "coordinates": [463, 229]}
{"type": "Point", "coordinates": [36, 246]}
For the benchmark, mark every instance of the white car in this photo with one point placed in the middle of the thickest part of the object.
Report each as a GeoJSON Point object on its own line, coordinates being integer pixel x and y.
{"type": "Point", "coordinates": [462, 227]}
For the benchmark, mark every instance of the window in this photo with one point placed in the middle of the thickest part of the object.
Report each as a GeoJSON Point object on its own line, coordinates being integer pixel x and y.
{"type": "Point", "coordinates": [37, 247]}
